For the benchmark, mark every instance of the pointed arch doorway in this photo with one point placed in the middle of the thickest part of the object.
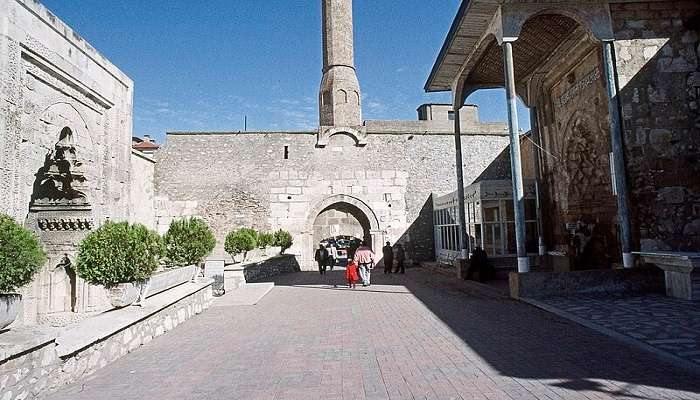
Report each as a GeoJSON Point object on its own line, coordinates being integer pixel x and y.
{"type": "Point", "coordinates": [339, 215]}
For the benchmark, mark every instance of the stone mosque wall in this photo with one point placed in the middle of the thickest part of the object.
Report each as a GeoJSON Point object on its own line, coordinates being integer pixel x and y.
{"type": "Point", "coordinates": [657, 49]}
{"type": "Point", "coordinates": [61, 103]}
{"type": "Point", "coordinates": [282, 180]}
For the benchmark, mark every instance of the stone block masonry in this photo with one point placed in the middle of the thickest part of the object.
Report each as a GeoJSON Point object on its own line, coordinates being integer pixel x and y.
{"type": "Point", "coordinates": [658, 63]}
{"type": "Point", "coordinates": [40, 364]}
{"type": "Point", "coordinates": [270, 181]}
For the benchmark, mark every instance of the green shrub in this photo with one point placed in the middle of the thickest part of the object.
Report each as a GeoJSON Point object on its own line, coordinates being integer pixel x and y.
{"type": "Point", "coordinates": [240, 241]}
{"type": "Point", "coordinates": [21, 256]}
{"type": "Point", "coordinates": [119, 253]}
{"type": "Point", "coordinates": [188, 241]}
{"type": "Point", "coordinates": [252, 233]}
{"type": "Point", "coordinates": [283, 239]}
{"type": "Point", "coordinates": [265, 240]}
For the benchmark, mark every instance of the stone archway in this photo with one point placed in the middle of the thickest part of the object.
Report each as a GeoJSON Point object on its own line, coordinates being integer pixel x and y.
{"type": "Point", "coordinates": [345, 203]}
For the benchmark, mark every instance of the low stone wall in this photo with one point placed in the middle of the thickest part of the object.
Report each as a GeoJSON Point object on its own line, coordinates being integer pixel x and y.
{"type": "Point", "coordinates": [544, 284]}
{"type": "Point", "coordinates": [273, 266]}
{"type": "Point", "coordinates": [41, 366]}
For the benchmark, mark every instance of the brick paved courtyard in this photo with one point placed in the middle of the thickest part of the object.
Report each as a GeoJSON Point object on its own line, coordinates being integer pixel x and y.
{"type": "Point", "coordinates": [417, 336]}
{"type": "Point", "coordinates": [667, 324]}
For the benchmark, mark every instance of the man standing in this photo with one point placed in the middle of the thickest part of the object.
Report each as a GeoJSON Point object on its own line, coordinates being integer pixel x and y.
{"type": "Point", "coordinates": [332, 256]}
{"type": "Point", "coordinates": [400, 258]}
{"type": "Point", "coordinates": [388, 254]}
{"type": "Point", "coordinates": [321, 258]}
{"type": "Point", "coordinates": [364, 258]}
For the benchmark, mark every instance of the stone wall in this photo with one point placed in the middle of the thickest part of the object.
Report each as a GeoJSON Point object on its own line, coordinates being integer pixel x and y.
{"type": "Point", "coordinates": [659, 75]}
{"type": "Point", "coordinates": [244, 179]}
{"type": "Point", "coordinates": [273, 266]}
{"type": "Point", "coordinates": [142, 195]}
{"type": "Point", "coordinates": [57, 93]}
{"type": "Point", "coordinates": [45, 367]}
{"type": "Point", "coordinates": [50, 78]}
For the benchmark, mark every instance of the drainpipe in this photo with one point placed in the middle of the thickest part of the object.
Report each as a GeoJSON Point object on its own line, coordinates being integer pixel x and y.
{"type": "Point", "coordinates": [618, 157]}
{"type": "Point", "coordinates": [517, 173]}
{"type": "Point", "coordinates": [463, 242]}
{"type": "Point", "coordinates": [535, 128]}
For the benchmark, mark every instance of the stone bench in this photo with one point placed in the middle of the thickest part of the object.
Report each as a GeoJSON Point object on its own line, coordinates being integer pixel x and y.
{"type": "Point", "coordinates": [681, 270]}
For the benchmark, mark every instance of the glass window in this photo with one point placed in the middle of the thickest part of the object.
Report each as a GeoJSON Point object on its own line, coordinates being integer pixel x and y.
{"type": "Point", "coordinates": [491, 212]}
{"type": "Point", "coordinates": [530, 209]}
{"type": "Point", "coordinates": [510, 213]}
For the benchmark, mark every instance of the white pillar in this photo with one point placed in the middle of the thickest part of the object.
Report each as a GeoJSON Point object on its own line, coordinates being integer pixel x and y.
{"type": "Point", "coordinates": [617, 146]}
{"type": "Point", "coordinates": [518, 192]}
{"type": "Point", "coordinates": [463, 240]}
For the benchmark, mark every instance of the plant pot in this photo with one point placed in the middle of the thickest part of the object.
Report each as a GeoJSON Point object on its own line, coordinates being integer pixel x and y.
{"type": "Point", "coordinates": [124, 294]}
{"type": "Point", "coordinates": [10, 305]}
{"type": "Point", "coordinates": [169, 279]}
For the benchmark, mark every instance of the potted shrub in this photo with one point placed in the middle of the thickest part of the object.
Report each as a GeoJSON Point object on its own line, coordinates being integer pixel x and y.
{"type": "Point", "coordinates": [121, 257]}
{"type": "Point", "coordinates": [21, 257]}
{"type": "Point", "coordinates": [187, 242]}
{"type": "Point", "coordinates": [265, 240]}
{"type": "Point", "coordinates": [283, 239]}
{"type": "Point", "coordinates": [240, 241]}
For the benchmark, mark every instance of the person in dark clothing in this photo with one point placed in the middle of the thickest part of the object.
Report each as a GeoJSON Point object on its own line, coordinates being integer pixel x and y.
{"type": "Point", "coordinates": [400, 258]}
{"type": "Point", "coordinates": [388, 254]}
{"type": "Point", "coordinates": [479, 263]}
{"type": "Point", "coordinates": [321, 258]}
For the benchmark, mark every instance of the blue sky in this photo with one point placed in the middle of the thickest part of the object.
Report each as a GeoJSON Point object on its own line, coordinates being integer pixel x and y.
{"type": "Point", "coordinates": [203, 66]}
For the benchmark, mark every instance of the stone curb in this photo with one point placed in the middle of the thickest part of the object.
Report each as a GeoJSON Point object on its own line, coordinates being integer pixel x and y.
{"type": "Point", "coordinates": [659, 354]}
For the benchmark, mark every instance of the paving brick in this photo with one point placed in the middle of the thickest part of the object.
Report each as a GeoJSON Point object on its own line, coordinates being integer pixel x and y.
{"type": "Point", "coordinates": [417, 336]}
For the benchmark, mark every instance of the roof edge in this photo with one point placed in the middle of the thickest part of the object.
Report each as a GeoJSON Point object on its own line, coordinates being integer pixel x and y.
{"type": "Point", "coordinates": [456, 23]}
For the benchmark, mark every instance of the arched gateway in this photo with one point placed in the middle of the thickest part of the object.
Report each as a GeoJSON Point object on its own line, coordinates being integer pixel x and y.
{"type": "Point", "coordinates": [355, 208]}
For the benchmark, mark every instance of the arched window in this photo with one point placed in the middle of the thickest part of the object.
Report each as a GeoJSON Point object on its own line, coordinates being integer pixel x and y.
{"type": "Point", "coordinates": [326, 98]}
{"type": "Point", "coordinates": [342, 96]}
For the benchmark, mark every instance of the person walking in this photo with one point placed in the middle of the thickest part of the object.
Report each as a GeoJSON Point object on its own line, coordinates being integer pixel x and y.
{"type": "Point", "coordinates": [321, 258]}
{"type": "Point", "coordinates": [400, 258]}
{"type": "Point", "coordinates": [364, 258]}
{"type": "Point", "coordinates": [332, 256]}
{"type": "Point", "coordinates": [351, 274]}
{"type": "Point", "coordinates": [388, 254]}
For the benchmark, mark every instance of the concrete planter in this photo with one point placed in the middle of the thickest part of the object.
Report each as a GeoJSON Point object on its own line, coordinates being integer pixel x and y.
{"type": "Point", "coordinates": [169, 279]}
{"type": "Point", "coordinates": [273, 251]}
{"type": "Point", "coordinates": [124, 294]}
{"type": "Point", "coordinates": [10, 305]}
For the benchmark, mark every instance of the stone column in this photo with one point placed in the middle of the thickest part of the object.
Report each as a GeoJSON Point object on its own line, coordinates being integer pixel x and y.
{"type": "Point", "coordinates": [518, 192]}
{"type": "Point", "coordinates": [617, 146]}
{"type": "Point", "coordinates": [535, 133]}
{"type": "Point", "coordinates": [463, 238]}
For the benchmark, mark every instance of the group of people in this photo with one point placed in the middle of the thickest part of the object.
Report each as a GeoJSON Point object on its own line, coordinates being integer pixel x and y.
{"type": "Point", "coordinates": [326, 258]}
{"type": "Point", "coordinates": [362, 262]}
{"type": "Point", "coordinates": [388, 253]}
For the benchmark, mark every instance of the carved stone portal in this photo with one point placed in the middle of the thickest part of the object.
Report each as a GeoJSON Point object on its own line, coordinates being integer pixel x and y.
{"type": "Point", "coordinates": [61, 215]}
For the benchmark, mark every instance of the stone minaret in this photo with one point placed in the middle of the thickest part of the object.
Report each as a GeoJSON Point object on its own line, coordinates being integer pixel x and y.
{"type": "Point", "coordinates": [339, 98]}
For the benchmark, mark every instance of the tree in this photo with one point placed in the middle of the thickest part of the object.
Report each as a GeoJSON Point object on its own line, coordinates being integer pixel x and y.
{"type": "Point", "coordinates": [188, 241]}
{"type": "Point", "coordinates": [240, 241]}
{"type": "Point", "coordinates": [21, 256]}
{"type": "Point", "coordinates": [283, 239]}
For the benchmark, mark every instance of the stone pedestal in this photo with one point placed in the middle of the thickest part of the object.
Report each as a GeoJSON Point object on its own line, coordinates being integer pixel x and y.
{"type": "Point", "coordinates": [680, 269]}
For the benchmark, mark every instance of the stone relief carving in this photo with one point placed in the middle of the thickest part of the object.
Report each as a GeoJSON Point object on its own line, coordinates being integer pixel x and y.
{"type": "Point", "coordinates": [584, 161]}
{"type": "Point", "coordinates": [61, 181]}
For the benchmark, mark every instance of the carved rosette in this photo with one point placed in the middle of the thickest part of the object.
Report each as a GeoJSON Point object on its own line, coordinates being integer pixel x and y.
{"type": "Point", "coordinates": [65, 224]}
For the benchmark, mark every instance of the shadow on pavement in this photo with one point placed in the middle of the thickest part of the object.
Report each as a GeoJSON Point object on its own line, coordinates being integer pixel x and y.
{"type": "Point", "coordinates": [521, 341]}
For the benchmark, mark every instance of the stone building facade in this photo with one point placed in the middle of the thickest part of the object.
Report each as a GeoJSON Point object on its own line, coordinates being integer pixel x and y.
{"type": "Point", "coordinates": [65, 133]}
{"type": "Point", "coordinates": [562, 53]}
{"type": "Point", "coordinates": [283, 180]}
